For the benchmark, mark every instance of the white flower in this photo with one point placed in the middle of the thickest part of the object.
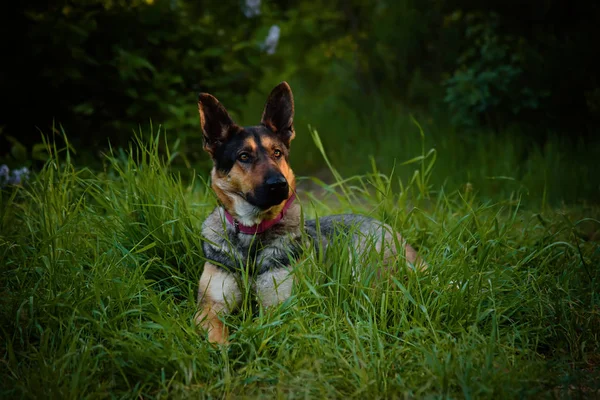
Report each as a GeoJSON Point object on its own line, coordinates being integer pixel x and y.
{"type": "Point", "coordinates": [270, 44]}
{"type": "Point", "coordinates": [252, 8]}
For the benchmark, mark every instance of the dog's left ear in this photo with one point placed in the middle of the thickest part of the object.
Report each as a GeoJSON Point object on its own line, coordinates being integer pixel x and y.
{"type": "Point", "coordinates": [279, 112]}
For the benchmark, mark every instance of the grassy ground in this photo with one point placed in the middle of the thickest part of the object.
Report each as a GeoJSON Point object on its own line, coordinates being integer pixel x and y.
{"type": "Point", "coordinates": [99, 275]}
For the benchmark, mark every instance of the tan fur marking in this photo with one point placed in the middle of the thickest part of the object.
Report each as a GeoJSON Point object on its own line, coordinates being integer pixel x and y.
{"type": "Point", "coordinates": [269, 124]}
{"type": "Point", "coordinates": [202, 120]}
{"type": "Point", "coordinates": [242, 179]}
{"type": "Point", "coordinates": [251, 143]}
{"type": "Point", "coordinates": [217, 180]}
{"type": "Point", "coordinates": [288, 174]}
{"type": "Point", "coordinates": [218, 293]}
{"type": "Point", "coordinates": [268, 143]}
{"type": "Point", "coordinates": [271, 145]}
{"type": "Point", "coordinates": [391, 251]}
{"type": "Point", "coordinates": [238, 180]}
{"type": "Point", "coordinates": [411, 255]}
{"type": "Point", "coordinates": [272, 212]}
{"type": "Point", "coordinates": [202, 117]}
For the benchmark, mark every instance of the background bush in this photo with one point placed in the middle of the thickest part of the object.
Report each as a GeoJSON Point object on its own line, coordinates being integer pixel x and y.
{"type": "Point", "coordinates": [465, 70]}
{"type": "Point", "coordinates": [101, 67]}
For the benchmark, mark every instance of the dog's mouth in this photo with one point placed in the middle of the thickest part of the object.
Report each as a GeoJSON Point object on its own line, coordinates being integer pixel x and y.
{"type": "Point", "coordinates": [253, 210]}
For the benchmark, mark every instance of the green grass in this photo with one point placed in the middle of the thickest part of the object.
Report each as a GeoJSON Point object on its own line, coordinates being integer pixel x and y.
{"type": "Point", "coordinates": [99, 274]}
{"type": "Point", "coordinates": [496, 165]}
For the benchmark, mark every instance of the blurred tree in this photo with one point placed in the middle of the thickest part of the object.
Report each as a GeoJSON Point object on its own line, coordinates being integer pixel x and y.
{"type": "Point", "coordinates": [495, 63]}
{"type": "Point", "coordinates": [537, 60]}
{"type": "Point", "coordinates": [102, 67]}
{"type": "Point", "coordinates": [489, 82]}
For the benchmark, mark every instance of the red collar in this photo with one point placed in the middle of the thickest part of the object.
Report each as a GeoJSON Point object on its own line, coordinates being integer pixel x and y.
{"type": "Point", "coordinates": [263, 226]}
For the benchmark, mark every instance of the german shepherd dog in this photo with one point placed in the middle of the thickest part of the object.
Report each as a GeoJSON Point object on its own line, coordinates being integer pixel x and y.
{"type": "Point", "coordinates": [257, 220]}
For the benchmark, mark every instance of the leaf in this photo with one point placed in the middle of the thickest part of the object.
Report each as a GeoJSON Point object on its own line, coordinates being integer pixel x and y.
{"type": "Point", "coordinates": [145, 248]}
{"type": "Point", "coordinates": [39, 152]}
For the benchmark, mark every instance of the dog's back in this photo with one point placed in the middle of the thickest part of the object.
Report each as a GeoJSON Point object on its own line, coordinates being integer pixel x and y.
{"type": "Point", "coordinates": [367, 233]}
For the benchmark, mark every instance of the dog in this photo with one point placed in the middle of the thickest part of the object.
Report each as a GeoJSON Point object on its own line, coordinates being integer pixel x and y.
{"type": "Point", "coordinates": [258, 220]}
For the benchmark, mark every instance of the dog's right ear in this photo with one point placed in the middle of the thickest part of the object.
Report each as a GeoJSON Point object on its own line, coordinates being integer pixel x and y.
{"type": "Point", "coordinates": [217, 126]}
{"type": "Point", "coordinates": [278, 114]}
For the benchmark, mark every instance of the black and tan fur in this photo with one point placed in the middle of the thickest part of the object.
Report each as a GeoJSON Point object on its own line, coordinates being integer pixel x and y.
{"type": "Point", "coordinates": [253, 180]}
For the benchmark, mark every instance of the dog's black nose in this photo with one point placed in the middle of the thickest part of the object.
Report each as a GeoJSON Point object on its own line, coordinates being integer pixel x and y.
{"type": "Point", "coordinates": [273, 191]}
{"type": "Point", "coordinates": [276, 183]}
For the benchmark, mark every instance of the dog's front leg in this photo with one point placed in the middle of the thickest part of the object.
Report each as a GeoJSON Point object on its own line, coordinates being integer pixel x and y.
{"type": "Point", "coordinates": [218, 293]}
{"type": "Point", "coordinates": [274, 286]}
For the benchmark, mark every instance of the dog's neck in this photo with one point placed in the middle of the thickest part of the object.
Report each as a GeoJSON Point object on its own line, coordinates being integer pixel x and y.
{"type": "Point", "coordinates": [250, 220]}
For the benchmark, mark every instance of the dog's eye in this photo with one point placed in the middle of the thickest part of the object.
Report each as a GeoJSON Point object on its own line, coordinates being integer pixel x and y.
{"type": "Point", "coordinates": [277, 153]}
{"type": "Point", "coordinates": [244, 157]}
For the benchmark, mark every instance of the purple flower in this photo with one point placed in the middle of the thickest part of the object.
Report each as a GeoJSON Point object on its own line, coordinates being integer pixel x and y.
{"type": "Point", "coordinates": [4, 175]}
{"type": "Point", "coordinates": [4, 170]}
{"type": "Point", "coordinates": [14, 177]}
{"type": "Point", "coordinates": [19, 176]}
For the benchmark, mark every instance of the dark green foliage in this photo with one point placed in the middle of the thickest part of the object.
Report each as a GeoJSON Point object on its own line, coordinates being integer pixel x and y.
{"type": "Point", "coordinates": [101, 68]}
{"type": "Point", "coordinates": [547, 78]}
{"type": "Point", "coordinates": [497, 66]}
{"type": "Point", "coordinates": [489, 82]}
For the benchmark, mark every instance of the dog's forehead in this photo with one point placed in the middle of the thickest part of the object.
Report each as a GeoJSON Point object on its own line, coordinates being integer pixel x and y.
{"type": "Point", "coordinates": [257, 139]}
{"type": "Point", "coordinates": [260, 136]}
{"type": "Point", "coordinates": [250, 138]}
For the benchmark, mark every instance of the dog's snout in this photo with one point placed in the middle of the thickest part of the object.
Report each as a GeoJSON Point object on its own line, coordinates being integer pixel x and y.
{"type": "Point", "coordinates": [271, 192]}
{"type": "Point", "coordinates": [276, 182]}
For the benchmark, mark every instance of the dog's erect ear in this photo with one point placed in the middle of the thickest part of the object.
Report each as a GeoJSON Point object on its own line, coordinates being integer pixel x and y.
{"type": "Point", "coordinates": [279, 112]}
{"type": "Point", "coordinates": [216, 124]}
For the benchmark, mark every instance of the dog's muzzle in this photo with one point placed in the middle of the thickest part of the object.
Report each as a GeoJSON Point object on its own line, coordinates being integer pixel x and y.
{"type": "Point", "coordinates": [273, 191]}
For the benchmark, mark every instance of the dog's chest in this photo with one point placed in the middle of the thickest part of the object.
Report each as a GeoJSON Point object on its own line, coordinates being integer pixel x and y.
{"type": "Point", "coordinates": [256, 254]}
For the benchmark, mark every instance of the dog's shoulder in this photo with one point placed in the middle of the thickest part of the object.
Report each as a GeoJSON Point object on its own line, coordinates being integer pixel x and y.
{"type": "Point", "coordinates": [214, 227]}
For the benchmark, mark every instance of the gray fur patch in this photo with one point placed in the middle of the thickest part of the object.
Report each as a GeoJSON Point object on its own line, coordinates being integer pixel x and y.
{"type": "Point", "coordinates": [234, 251]}
{"type": "Point", "coordinates": [273, 249]}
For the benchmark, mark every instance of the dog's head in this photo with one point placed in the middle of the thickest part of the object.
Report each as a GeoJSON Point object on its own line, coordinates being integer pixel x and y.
{"type": "Point", "coordinates": [251, 175]}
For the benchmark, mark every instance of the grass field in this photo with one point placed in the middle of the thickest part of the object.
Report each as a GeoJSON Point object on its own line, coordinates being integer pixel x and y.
{"type": "Point", "coordinates": [99, 274]}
